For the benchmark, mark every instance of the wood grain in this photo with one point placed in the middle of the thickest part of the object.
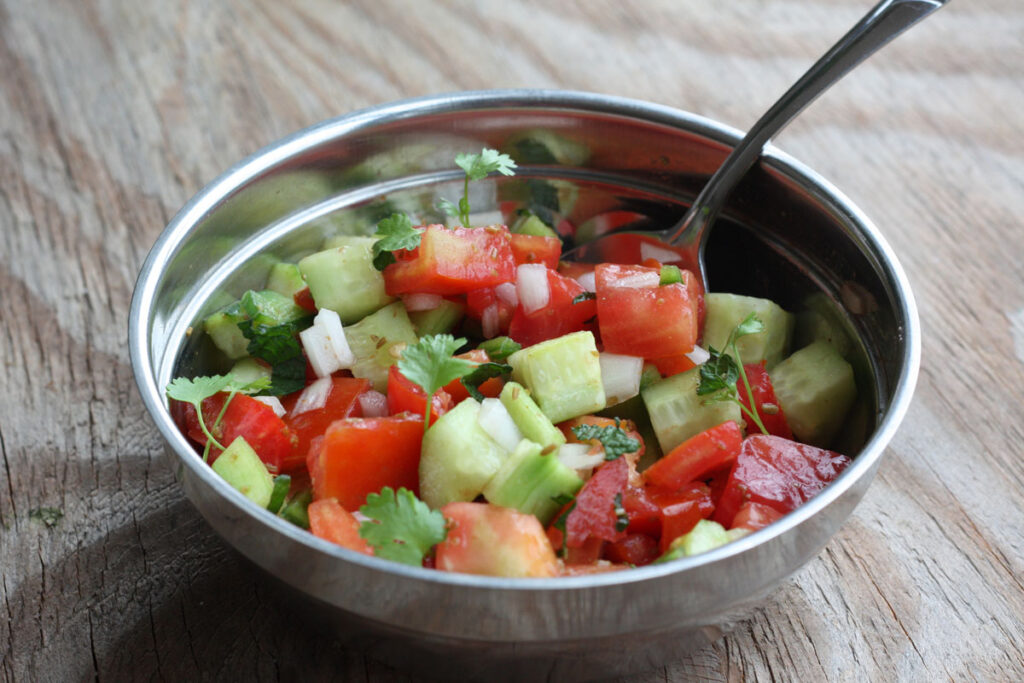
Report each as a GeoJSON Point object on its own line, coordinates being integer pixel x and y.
{"type": "Point", "coordinates": [113, 113]}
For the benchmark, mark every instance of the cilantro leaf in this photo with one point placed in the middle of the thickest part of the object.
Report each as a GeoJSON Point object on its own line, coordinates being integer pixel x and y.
{"type": "Point", "coordinates": [721, 373]}
{"type": "Point", "coordinates": [481, 374]}
{"type": "Point", "coordinates": [395, 232]}
{"type": "Point", "coordinates": [614, 439]}
{"type": "Point", "coordinates": [500, 348]}
{"type": "Point", "coordinates": [584, 296]}
{"type": "Point", "coordinates": [448, 207]}
{"type": "Point", "coordinates": [401, 527]}
{"type": "Point", "coordinates": [429, 364]}
{"type": "Point", "coordinates": [749, 325]}
{"type": "Point", "coordinates": [477, 166]}
{"type": "Point", "coordinates": [196, 389]}
{"type": "Point", "coordinates": [718, 373]}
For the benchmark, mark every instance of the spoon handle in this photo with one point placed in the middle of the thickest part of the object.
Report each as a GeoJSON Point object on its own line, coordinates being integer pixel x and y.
{"type": "Point", "coordinates": [884, 22]}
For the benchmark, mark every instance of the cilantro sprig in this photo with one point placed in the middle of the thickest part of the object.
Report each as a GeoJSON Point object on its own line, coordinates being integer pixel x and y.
{"type": "Point", "coordinates": [477, 167]}
{"type": "Point", "coordinates": [274, 342]}
{"type": "Point", "coordinates": [614, 439]}
{"type": "Point", "coordinates": [401, 527]}
{"type": "Point", "coordinates": [480, 374]}
{"type": "Point", "coordinates": [720, 374]}
{"type": "Point", "coordinates": [195, 391]}
{"type": "Point", "coordinates": [429, 364]}
{"type": "Point", "coordinates": [396, 232]}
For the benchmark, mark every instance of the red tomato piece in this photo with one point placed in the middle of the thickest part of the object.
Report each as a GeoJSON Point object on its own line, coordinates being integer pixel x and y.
{"type": "Point", "coordinates": [644, 514]}
{"type": "Point", "coordinates": [481, 302]}
{"type": "Point", "coordinates": [755, 516]}
{"type": "Point", "coordinates": [330, 521]}
{"type": "Point", "coordinates": [634, 549]}
{"type": "Point", "coordinates": [358, 456]}
{"type": "Point", "coordinates": [453, 262]}
{"type": "Point", "coordinates": [638, 319]}
{"type": "Point", "coordinates": [574, 269]}
{"type": "Point", "coordinates": [490, 388]}
{"type": "Point", "coordinates": [681, 510]}
{"type": "Point", "coordinates": [536, 249]}
{"type": "Point", "coordinates": [494, 541]}
{"type": "Point", "coordinates": [342, 401]}
{"type": "Point", "coordinates": [405, 396]}
{"type": "Point", "coordinates": [303, 299]}
{"type": "Point", "coordinates": [777, 472]}
{"type": "Point", "coordinates": [768, 408]}
{"type": "Point", "coordinates": [594, 514]}
{"type": "Point", "coordinates": [673, 365]}
{"type": "Point", "coordinates": [561, 316]}
{"type": "Point", "coordinates": [697, 457]}
{"type": "Point", "coordinates": [248, 418]}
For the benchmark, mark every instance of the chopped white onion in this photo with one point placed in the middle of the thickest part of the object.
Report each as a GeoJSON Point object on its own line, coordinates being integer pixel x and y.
{"type": "Point", "coordinates": [313, 397]}
{"type": "Point", "coordinates": [506, 291]}
{"type": "Point", "coordinates": [360, 517]}
{"type": "Point", "coordinates": [325, 344]}
{"type": "Point", "coordinates": [373, 404]}
{"type": "Point", "coordinates": [577, 456]}
{"type": "Point", "coordinates": [532, 286]}
{"type": "Point", "coordinates": [490, 322]}
{"type": "Point", "coordinates": [620, 376]}
{"type": "Point", "coordinates": [274, 402]}
{"type": "Point", "coordinates": [421, 302]}
{"type": "Point", "coordinates": [698, 355]}
{"type": "Point", "coordinates": [588, 281]}
{"type": "Point", "coordinates": [660, 254]}
{"type": "Point", "coordinates": [641, 280]}
{"type": "Point", "coordinates": [495, 419]}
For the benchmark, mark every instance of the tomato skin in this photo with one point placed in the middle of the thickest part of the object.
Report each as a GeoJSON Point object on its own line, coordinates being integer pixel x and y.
{"type": "Point", "coordinates": [304, 299]}
{"type": "Point", "coordinates": [594, 513]}
{"type": "Point", "coordinates": [359, 456]}
{"type": "Point", "coordinates": [653, 322]}
{"type": "Point", "coordinates": [673, 365]}
{"type": "Point", "coordinates": [536, 249]}
{"type": "Point", "coordinates": [479, 300]}
{"type": "Point", "coordinates": [561, 316]}
{"type": "Point", "coordinates": [404, 396]}
{"type": "Point", "coordinates": [248, 418]}
{"type": "Point", "coordinates": [644, 514]}
{"type": "Point", "coordinates": [681, 510]}
{"type": "Point", "coordinates": [634, 549]}
{"type": "Point", "coordinates": [330, 521]}
{"type": "Point", "coordinates": [342, 401]}
{"type": "Point", "coordinates": [453, 261]}
{"type": "Point", "coordinates": [697, 457]}
{"type": "Point", "coordinates": [764, 394]}
{"type": "Point", "coordinates": [755, 516]}
{"type": "Point", "coordinates": [494, 541]}
{"type": "Point", "coordinates": [777, 472]}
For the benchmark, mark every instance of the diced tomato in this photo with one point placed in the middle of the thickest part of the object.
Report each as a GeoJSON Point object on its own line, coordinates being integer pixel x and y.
{"type": "Point", "coordinates": [559, 317]}
{"type": "Point", "coordinates": [673, 365]}
{"type": "Point", "coordinates": [342, 401]}
{"type": "Point", "coordinates": [536, 249]}
{"type": "Point", "coordinates": [644, 515]}
{"type": "Point", "coordinates": [303, 299]}
{"type": "Point", "coordinates": [484, 302]}
{"type": "Point", "coordinates": [634, 549]}
{"type": "Point", "coordinates": [653, 321]}
{"type": "Point", "coordinates": [681, 510]}
{"type": "Point", "coordinates": [405, 396]}
{"type": "Point", "coordinates": [358, 456]}
{"type": "Point", "coordinates": [628, 426]}
{"type": "Point", "coordinates": [247, 418]}
{"type": "Point", "coordinates": [594, 514]}
{"type": "Point", "coordinates": [574, 269]}
{"type": "Point", "coordinates": [330, 521]}
{"type": "Point", "coordinates": [494, 541]}
{"type": "Point", "coordinates": [755, 516]}
{"type": "Point", "coordinates": [453, 261]}
{"type": "Point", "coordinates": [697, 457]}
{"type": "Point", "coordinates": [777, 472]}
{"type": "Point", "coordinates": [768, 408]}
{"type": "Point", "coordinates": [716, 481]}
{"type": "Point", "coordinates": [490, 388]}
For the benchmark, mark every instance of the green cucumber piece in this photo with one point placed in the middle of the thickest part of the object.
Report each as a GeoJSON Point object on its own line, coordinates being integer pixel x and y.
{"type": "Point", "coordinates": [296, 510]}
{"type": "Point", "coordinates": [267, 307]}
{"type": "Point", "coordinates": [282, 483]}
{"type": "Point", "coordinates": [458, 457]}
{"type": "Point", "coordinates": [562, 374]}
{"type": "Point", "coordinates": [821, 319]}
{"type": "Point", "coordinates": [649, 375]}
{"type": "Point", "coordinates": [532, 483]}
{"type": "Point", "coordinates": [377, 341]}
{"type": "Point", "coordinates": [528, 416]}
{"type": "Point", "coordinates": [677, 412]}
{"type": "Point", "coordinates": [343, 279]}
{"type": "Point", "coordinates": [222, 328]}
{"type": "Point", "coordinates": [705, 536]}
{"type": "Point", "coordinates": [670, 274]}
{"type": "Point", "coordinates": [285, 278]}
{"type": "Point", "coordinates": [248, 370]}
{"type": "Point", "coordinates": [815, 389]}
{"type": "Point", "coordinates": [726, 311]}
{"type": "Point", "coordinates": [239, 466]}
{"type": "Point", "coordinates": [529, 223]}
{"type": "Point", "coordinates": [438, 320]}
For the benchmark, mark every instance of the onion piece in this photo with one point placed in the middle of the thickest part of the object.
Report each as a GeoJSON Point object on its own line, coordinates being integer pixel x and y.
{"type": "Point", "coordinates": [421, 302]}
{"type": "Point", "coordinates": [620, 376]}
{"type": "Point", "coordinates": [698, 355]}
{"type": "Point", "coordinates": [313, 397]}
{"type": "Point", "coordinates": [588, 281]}
{"type": "Point", "coordinates": [641, 280]}
{"type": "Point", "coordinates": [532, 286]}
{"type": "Point", "coordinates": [506, 291]}
{"type": "Point", "coordinates": [490, 322]}
{"type": "Point", "coordinates": [274, 402]}
{"type": "Point", "coordinates": [659, 254]}
{"type": "Point", "coordinates": [495, 419]}
{"type": "Point", "coordinates": [373, 403]}
{"type": "Point", "coordinates": [577, 456]}
{"type": "Point", "coordinates": [326, 345]}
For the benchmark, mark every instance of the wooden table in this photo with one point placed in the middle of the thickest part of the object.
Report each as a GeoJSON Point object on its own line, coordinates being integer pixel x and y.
{"type": "Point", "coordinates": [113, 113]}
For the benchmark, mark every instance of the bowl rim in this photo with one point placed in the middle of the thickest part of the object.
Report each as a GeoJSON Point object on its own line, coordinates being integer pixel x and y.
{"type": "Point", "coordinates": [293, 145]}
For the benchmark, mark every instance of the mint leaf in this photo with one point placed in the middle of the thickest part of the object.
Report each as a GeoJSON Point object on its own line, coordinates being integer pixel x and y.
{"type": "Point", "coordinates": [500, 348]}
{"type": "Point", "coordinates": [401, 527]}
{"type": "Point", "coordinates": [615, 440]}
{"type": "Point", "coordinates": [396, 232]}
{"type": "Point", "coordinates": [480, 374]}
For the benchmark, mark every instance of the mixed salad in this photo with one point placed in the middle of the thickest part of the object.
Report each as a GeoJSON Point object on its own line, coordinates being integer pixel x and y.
{"type": "Point", "coordinates": [457, 397]}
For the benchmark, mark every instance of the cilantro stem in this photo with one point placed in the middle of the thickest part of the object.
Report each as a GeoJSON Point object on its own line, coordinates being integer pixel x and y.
{"type": "Point", "coordinates": [426, 412]}
{"type": "Point", "coordinates": [216, 423]}
{"type": "Point", "coordinates": [464, 204]}
{"type": "Point", "coordinates": [752, 412]}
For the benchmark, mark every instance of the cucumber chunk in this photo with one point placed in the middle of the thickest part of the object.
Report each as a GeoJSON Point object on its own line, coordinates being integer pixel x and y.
{"type": "Point", "coordinates": [705, 536]}
{"type": "Point", "coordinates": [530, 224]}
{"type": "Point", "coordinates": [677, 412]}
{"type": "Point", "coordinates": [815, 389]}
{"type": "Point", "coordinates": [562, 374]}
{"type": "Point", "coordinates": [285, 278]}
{"type": "Point", "coordinates": [438, 320]}
{"type": "Point", "coordinates": [532, 483]}
{"type": "Point", "coordinates": [242, 468]}
{"type": "Point", "coordinates": [458, 457]}
{"type": "Point", "coordinates": [377, 341]}
{"type": "Point", "coordinates": [343, 279]}
{"type": "Point", "coordinates": [726, 311]}
{"type": "Point", "coordinates": [267, 307]}
{"type": "Point", "coordinates": [248, 370]}
{"type": "Point", "coordinates": [528, 416]}
{"type": "Point", "coordinates": [222, 328]}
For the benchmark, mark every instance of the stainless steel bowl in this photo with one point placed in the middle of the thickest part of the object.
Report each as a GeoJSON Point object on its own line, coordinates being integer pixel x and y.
{"type": "Point", "coordinates": [590, 159]}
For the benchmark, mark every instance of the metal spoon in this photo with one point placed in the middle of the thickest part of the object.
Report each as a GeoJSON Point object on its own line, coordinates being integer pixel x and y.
{"type": "Point", "coordinates": [884, 22]}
